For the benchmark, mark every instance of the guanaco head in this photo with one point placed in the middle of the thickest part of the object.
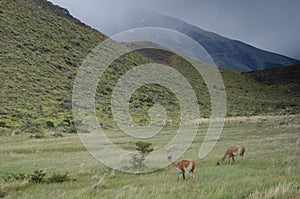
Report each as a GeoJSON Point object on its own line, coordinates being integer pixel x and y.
{"type": "Point", "coordinates": [170, 157]}
{"type": "Point", "coordinates": [219, 162]}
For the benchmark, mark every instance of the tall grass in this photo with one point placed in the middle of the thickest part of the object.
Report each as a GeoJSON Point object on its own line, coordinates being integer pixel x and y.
{"type": "Point", "coordinates": [278, 191]}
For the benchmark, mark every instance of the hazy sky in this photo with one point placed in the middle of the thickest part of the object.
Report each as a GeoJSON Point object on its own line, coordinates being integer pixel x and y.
{"type": "Point", "coordinates": [272, 25]}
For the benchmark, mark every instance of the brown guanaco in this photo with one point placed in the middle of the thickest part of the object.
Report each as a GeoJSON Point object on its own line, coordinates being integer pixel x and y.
{"type": "Point", "coordinates": [231, 152]}
{"type": "Point", "coordinates": [183, 167]}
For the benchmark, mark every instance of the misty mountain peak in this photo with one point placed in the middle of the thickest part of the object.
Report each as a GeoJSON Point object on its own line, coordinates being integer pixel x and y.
{"type": "Point", "coordinates": [225, 52]}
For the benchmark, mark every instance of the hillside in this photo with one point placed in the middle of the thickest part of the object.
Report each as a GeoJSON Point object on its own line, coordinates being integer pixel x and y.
{"type": "Point", "coordinates": [274, 90]}
{"type": "Point", "coordinates": [225, 52]}
{"type": "Point", "coordinates": [40, 53]}
{"type": "Point", "coordinates": [42, 47]}
{"type": "Point", "coordinates": [282, 76]}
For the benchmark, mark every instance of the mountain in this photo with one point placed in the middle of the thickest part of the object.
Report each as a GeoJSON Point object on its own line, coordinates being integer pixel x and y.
{"type": "Point", "coordinates": [43, 46]}
{"type": "Point", "coordinates": [225, 52]}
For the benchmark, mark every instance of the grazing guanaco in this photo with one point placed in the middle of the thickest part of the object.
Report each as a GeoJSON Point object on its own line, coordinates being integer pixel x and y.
{"type": "Point", "coordinates": [231, 152]}
{"type": "Point", "coordinates": [183, 167]}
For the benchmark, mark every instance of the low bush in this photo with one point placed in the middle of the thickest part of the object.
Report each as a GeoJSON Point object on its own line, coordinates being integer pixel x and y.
{"type": "Point", "coordinates": [37, 135]}
{"type": "Point", "coordinates": [2, 193]}
{"type": "Point", "coordinates": [70, 129]}
{"type": "Point", "coordinates": [50, 124]}
{"type": "Point", "coordinates": [37, 176]}
{"type": "Point", "coordinates": [56, 134]}
{"type": "Point", "coordinates": [58, 178]}
{"type": "Point", "coordinates": [15, 177]}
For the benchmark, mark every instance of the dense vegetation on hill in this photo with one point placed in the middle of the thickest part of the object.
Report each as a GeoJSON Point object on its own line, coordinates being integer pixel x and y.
{"type": "Point", "coordinates": [40, 53]}
{"type": "Point", "coordinates": [275, 90]}
{"type": "Point", "coordinates": [42, 47]}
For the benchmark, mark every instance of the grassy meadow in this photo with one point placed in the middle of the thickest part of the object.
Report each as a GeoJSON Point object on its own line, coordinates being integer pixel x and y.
{"type": "Point", "coordinates": [271, 168]}
{"type": "Point", "coordinates": [41, 53]}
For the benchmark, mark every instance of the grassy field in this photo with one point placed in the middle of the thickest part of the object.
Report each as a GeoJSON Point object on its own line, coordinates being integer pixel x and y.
{"type": "Point", "coordinates": [271, 168]}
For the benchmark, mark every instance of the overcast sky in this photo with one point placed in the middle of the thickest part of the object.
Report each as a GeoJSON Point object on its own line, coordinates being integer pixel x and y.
{"type": "Point", "coordinates": [272, 25]}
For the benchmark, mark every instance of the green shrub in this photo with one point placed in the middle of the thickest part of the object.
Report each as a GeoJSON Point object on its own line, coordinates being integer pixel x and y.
{"type": "Point", "coordinates": [144, 148]}
{"type": "Point", "coordinates": [3, 124]}
{"type": "Point", "coordinates": [19, 176]}
{"type": "Point", "coordinates": [15, 177]}
{"type": "Point", "coordinates": [5, 131]}
{"type": "Point", "coordinates": [37, 135]}
{"type": "Point", "coordinates": [7, 178]}
{"type": "Point", "coordinates": [58, 178]}
{"type": "Point", "coordinates": [66, 122]}
{"type": "Point", "coordinates": [50, 124]}
{"type": "Point", "coordinates": [38, 176]}
{"type": "Point", "coordinates": [56, 134]}
{"type": "Point", "coordinates": [70, 129]}
{"type": "Point", "coordinates": [136, 162]}
{"type": "Point", "coordinates": [36, 129]}
{"type": "Point", "coordinates": [2, 193]}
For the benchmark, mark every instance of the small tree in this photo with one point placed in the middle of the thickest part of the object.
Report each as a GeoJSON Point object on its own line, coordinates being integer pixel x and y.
{"type": "Point", "coordinates": [144, 148]}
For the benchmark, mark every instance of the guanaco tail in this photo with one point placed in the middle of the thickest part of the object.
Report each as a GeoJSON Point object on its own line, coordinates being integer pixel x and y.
{"type": "Point", "coordinates": [231, 152]}
{"type": "Point", "coordinates": [183, 166]}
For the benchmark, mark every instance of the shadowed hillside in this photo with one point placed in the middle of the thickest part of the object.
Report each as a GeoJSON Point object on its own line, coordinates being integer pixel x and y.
{"type": "Point", "coordinates": [268, 91]}
{"type": "Point", "coordinates": [286, 77]}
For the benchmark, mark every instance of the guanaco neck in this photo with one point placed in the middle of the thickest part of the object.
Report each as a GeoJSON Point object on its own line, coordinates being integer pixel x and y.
{"type": "Point", "coordinates": [173, 163]}
{"type": "Point", "coordinates": [224, 157]}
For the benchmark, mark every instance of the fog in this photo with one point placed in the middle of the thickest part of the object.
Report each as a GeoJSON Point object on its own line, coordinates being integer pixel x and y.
{"type": "Point", "coordinates": [271, 25]}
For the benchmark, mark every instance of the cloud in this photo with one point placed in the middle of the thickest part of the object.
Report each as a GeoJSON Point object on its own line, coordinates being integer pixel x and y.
{"type": "Point", "coordinates": [270, 25]}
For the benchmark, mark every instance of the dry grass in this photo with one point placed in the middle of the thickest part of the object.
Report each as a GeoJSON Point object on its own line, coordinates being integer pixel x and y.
{"type": "Point", "coordinates": [275, 192]}
{"type": "Point", "coordinates": [266, 119]}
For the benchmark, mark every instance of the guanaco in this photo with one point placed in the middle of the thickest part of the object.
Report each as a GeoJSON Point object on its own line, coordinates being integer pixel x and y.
{"type": "Point", "coordinates": [183, 167]}
{"type": "Point", "coordinates": [231, 152]}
